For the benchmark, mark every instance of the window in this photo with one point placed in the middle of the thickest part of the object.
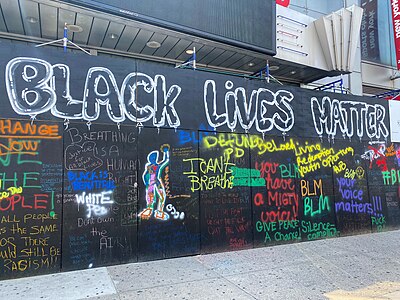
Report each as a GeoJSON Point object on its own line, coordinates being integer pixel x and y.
{"type": "Point", "coordinates": [377, 44]}
{"type": "Point", "coordinates": [316, 9]}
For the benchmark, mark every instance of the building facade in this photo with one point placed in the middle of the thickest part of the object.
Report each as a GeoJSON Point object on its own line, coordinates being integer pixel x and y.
{"type": "Point", "coordinates": [130, 134]}
{"type": "Point", "coordinates": [378, 69]}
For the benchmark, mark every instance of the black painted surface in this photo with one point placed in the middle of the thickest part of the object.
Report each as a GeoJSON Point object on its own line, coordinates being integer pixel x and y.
{"type": "Point", "coordinates": [225, 208]}
{"type": "Point", "coordinates": [316, 189]}
{"type": "Point", "coordinates": [119, 90]}
{"type": "Point", "coordinates": [295, 160]}
{"type": "Point", "coordinates": [100, 196]}
{"type": "Point", "coordinates": [352, 203]}
{"type": "Point", "coordinates": [383, 184]}
{"type": "Point", "coordinates": [31, 194]}
{"type": "Point", "coordinates": [168, 207]}
{"type": "Point", "coordinates": [276, 203]}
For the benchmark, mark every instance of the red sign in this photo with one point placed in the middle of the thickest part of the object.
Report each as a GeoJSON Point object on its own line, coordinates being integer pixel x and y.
{"type": "Point", "coordinates": [284, 3]}
{"type": "Point", "coordinates": [396, 27]}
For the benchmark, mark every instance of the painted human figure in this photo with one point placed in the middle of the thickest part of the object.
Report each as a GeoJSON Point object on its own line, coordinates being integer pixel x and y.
{"type": "Point", "coordinates": [155, 190]}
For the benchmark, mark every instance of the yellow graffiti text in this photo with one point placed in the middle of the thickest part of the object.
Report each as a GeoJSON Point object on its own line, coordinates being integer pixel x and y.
{"type": "Point", "coordinates": [213, 173]}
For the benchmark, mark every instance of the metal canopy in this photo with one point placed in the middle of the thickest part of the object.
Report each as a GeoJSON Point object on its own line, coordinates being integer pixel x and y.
{"type": "Point", "coordinates": [43, 20]}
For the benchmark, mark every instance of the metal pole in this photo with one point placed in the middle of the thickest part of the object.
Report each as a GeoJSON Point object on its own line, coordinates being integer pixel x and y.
{"type": "Point", "coordinates": [194, 57]}
{"type": "Point", "coordinates": [65, 39]}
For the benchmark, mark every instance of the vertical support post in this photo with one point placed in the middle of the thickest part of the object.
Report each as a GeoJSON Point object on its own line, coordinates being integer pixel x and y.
{"type": "Point", "coordinates": [65, 39]}
{"type": "Point", "coordinates": [341, 84]}
{"type": "Point", "coordinates": [194, 57]}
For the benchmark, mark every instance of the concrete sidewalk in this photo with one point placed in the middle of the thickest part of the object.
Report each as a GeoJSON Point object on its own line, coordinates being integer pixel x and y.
{"type": "Point", "coordinates": [357, 267]}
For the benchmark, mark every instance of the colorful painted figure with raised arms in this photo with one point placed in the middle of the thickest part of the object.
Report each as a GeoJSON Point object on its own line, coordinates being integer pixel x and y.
{"type": "Point", "coordinates": [155, 190]}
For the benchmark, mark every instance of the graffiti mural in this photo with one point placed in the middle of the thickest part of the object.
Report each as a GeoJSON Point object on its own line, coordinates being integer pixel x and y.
{"type": "Point", "coordinates": [349, 119]}
{"type": "Point", "coordinates": [38, 87]}
{"type": "Point", "coordinates": [225, 209]}
{"type": "Point", "coordinates": [108, 160]}
{"type": "Point", "coordinates": [30, 198]}
{"type": "Point", "coordinates": [383, 185]}
{"type": "Point", "coordinates": [168, 222]}
{"type": "Point", "coordinates": [100, 195]}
